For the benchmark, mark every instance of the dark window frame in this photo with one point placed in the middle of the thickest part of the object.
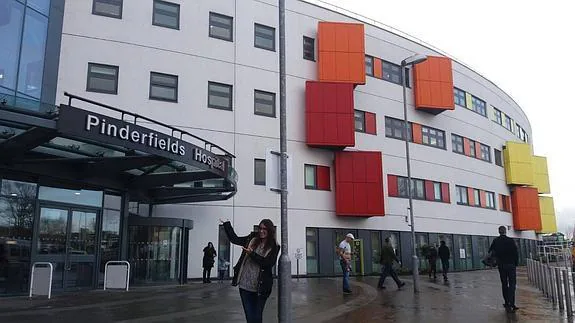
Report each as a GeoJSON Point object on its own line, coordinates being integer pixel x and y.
{"type": "Point", "coordinates": [498, 157]}
{"type": "Point", "coordinates": [116, 79]}
{"type": "Point", "coordinates": [175, 5]}
{"type": "Point", "coordinates": [457, 97]}
{"type": "Point", "coordinates": [505, 124]}
{"type": "Point", "coordinates": [435, 191]}
{"type": "Point", "coordinates": [307, 50]}
{"type": "Point", "coordinates": [392, 124]}
{"type": "Point", "coordinates": [428, 134]}
{"type": "Point", "coordinates": [458, 189]}
{"type": "Point", "coordinates": [256, 25]}
{"type": "Point", "coordinates": [259, 181]}
{"type": "Point", "coordinates": [231, 87]}
{"type": "Point", "coordinates": [478, 106]}
{"type": "Point", "coordinates": [492, 194]}
{"type": "Point", "coordinates": [210, 23]}
{"type": "Point", "coordinates": [152, 84]}
{"type": "Point", "coordinates": [455, 145]}
{"type": "Point", "coordinates": [498, 116]}
{"type": "Point", "coordinates": [371, 60]}
{"type": "Point", "coordinates": [485, 149]}
{"type": "Point", "coordinates": [389, 76]}
{"type": "Point", "coordinates": [112, 2]}
{"type": "Point", "coordinates": [362, 119]}
{"type": "Point", "coordinates": [472, 145]}
{"type": "Point", "coordinates": [314, 186]}
{"type": "Point", "coordinates": [403, 193]}
{"type": "Point", "coordinates": [273, 95]}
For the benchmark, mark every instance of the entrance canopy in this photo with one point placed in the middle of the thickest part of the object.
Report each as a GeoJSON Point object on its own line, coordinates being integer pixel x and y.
{"type": "Point", "coordinates": [108, 148]}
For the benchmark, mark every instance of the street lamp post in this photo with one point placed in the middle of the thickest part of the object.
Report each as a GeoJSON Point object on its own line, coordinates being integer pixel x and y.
{"type": "Point", "coordinates": [412, 60]}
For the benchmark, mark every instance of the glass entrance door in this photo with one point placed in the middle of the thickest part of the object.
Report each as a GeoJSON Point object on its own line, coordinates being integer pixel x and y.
{"type": "Point", "coordinates": [67, 238]}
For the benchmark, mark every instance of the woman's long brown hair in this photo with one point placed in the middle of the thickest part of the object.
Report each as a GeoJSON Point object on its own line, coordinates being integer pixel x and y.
{"type": "Point", "coordinates": [271, 241]}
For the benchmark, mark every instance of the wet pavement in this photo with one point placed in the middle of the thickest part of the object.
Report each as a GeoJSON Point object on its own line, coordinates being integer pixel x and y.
{"type": "Point", "coordinates": [467, 297]}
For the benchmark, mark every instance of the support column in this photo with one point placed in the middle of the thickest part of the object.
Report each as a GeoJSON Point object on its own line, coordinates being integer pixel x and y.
{"type": "Point", "coordinates": [124, 215]}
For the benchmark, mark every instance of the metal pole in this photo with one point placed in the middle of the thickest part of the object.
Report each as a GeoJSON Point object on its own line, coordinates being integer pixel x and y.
{"type": "Point", "coordinates": [567, 290]}
{"type": "Point", "coordinates": [284, 290]}
{"type": "Point", "coordinates": [552, 286]}
{"type": "Point", "coordinates": [415, 264]}
{"type": "Point", "coordinates": [559, 289]}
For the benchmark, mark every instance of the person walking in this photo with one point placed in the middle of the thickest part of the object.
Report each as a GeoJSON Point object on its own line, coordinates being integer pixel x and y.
{"type": "Point", "coordinates": [253, 271]}
{"type": "Point", "coordinates": [432, 260]}
{"type": "Point", "coordinates": [506, 256]}
{"type": "Point", "coordinates": [388, 256]}
{"type": "Point", "coordinates": [208, 262]}
{"type": "Point", "coordinates": [444, 255]}
{"type": "Point", "coordinates": [344, 252]}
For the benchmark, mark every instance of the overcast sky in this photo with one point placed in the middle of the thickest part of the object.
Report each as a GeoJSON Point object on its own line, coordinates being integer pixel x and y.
{"type": "Point", "coordinates": [525, 47]}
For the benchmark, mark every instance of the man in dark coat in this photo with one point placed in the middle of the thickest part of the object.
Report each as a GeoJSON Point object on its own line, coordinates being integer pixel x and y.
{"type": "Point", "coordinates": [388, 256]}
{"type": "Point", "coordinates": [444, 255]}
{"type": "Point", "coordinates": [432, 259]}
{"type": "Point", "coordinates": [505, 252]}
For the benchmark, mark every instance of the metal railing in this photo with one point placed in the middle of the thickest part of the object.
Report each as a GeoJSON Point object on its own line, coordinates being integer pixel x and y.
{"type": "Point", "coordinates": [41, 279]}
{"type": "Point", "coordinates": [555, 282]}
{"type": "Point", "coordinates": [117, 275]}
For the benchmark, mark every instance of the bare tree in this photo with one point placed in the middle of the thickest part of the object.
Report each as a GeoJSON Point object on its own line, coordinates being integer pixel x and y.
{"type": "Point", "coordinates": [17, 212]}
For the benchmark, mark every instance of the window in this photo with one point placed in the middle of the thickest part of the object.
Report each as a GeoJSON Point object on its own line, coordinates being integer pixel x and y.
{"type": "Point", "coordinates": [395, 128]}
{"type": "Point", "coordinates": [308, 48]}
{"type": "Point", "coordinates": [417, 188]}
{"type": "Point", "coordinates": [457, 144]}
{"type": "Point", "coordinates": [265, 103]}
{"type": "Point", "coordinates": [508, 123]}
{"type": "Point", "coordinates": [259, 172]}
{"type": "Point", "coordinates": [368, 65]}
{"type": "Point", "coordinates": [433, 137]}
{"type": "Point", "coordinates": [359, 121]}
{"type": "Point", "coordinates": [490, 200]}
{"type": "Point", "coordinates": [311, 250]}
{"type": "Point", "coordinates": [219, 96]}
{"type": "Point", "coordinates": [166, 14]}
{"type": "Point", "coordinates": [505, 203]}
{"type": "Point", "coordinates": [264, 37]}
{"type": "Point", "coordinates": [108, 8]}
{"type": "Point", "coordinates": [221, 27]}
{"type": "Point", "coordinates": [472, 148]}
{"type": "Point", "coordinates": [459, 97]}
{"type": "Point", "coordinates": [498, 157]}
{"type": "Point", "coordinates": [437, 191]}
{"type": "Point", "coordinates": [497, 116]}
{"type": "Point", "coordinates": [310, 176]}
{"type": "Point", "coordinates": [406, 76]}
{"type": "Point", "coordinates": [391, 72]}
{"type": "Point", "coordinates": [163, 87]}
{"type": "Point", "coordinates": [478, 106]}
{"type": "Point", "coordinates": [102, 78]}
{"type": "Point", "coordinates": [477, 197]}
{"type": "Point", "coordinates": [485, 153]}
{"type": "Point", "coordinates": [461, 192]}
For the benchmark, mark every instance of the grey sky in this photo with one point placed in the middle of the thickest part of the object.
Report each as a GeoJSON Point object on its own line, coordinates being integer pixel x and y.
{"type": "Point", "coordinates": [525, 47]}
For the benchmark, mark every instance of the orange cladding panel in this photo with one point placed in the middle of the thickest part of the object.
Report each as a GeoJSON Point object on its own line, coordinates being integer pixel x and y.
{"type": "Point", "coordinates": [341, 48]}
{"type": "Point", "coordinates": [326, 34]}
{"type": "Point", "coordinates": [417, 134]}
{"type": "Point", "coordinates": [377, 69]}
{"type": "Point", "coordinates": [433, 84]}
{"type": "Point", "coordinates": [525, 207]}
{"type": "Point", "coordinates": [482, 198]}
{"type": "Point", "coordinates": [477, 150]}
{"type": "Point", "coordinates": [466, 149]}
{"type": "Point", "coordinates": [470, 196]}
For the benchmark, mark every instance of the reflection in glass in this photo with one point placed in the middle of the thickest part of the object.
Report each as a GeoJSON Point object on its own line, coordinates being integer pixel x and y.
{"type": "Point", "coordinates": [52, 231]}
{"type": "Point", "coordinates": [80, 197]}
{"type": "Point", "coordinates": [42, 6]}
{"type": "Point", "coordinates": [375, 251]}
{"type": "Point", "coordinates": [18, 189]}
{"type": "Point", "coordinates": [83, 233]}
{"type": "Point", "coordinates": [32, 55]}
{"type": "Point", "coordinates": [16, 223]}
{"type": "Point", "coordinates": [110, 244]}
{"type": "Point", "coordinates": [11, 16]}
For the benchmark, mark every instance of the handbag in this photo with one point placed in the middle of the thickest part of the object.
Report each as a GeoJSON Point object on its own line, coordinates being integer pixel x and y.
{"type": "Point", "coordinates": [489, 260]}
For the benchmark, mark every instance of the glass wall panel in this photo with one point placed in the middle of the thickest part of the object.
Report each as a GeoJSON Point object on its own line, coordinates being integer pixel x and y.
{"type": "Point", "coordinates": [223, 251]}
{"type": "Point", "coordinates": [375, 251]}
{"type": "Point", "coordinates": [43, 6]}
{"type": "Point", "coordinates": [311, 252]}
{"type": "Point", "coordinates": [11, 16]}
{"type": "Point", "coordinates": [79, 197]}
{"type": "Point", "coordinates": [110, 244]}
{"type": "Point", "coordinates": [32, 54]}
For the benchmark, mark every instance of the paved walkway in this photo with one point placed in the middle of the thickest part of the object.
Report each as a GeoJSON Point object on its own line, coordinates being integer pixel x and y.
{"type": "Point", "coordinates": [468, 297]}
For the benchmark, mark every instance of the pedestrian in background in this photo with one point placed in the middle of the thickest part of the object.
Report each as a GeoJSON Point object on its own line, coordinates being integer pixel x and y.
{"type": "Point", "coordinates": [253, 271]}
{"type": "Point", "coordinates": [432, 260]}
{"type": "Point", "coordinates": [208, 262]}
{"type": "Point", "coordinates": [506, 256]}
{"type": "Point", "coordinates": [344, 252]}
{"type": "Point", "coordinates": [388, 256]}
{"type": "Point", "coordinates": [444, 255]}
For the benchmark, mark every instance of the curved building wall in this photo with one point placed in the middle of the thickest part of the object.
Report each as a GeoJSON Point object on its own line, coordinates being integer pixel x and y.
{"type": "Point", "coordinates": [137, 48]}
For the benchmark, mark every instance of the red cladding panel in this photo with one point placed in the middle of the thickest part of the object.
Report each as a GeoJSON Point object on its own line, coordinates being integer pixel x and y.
{"type": "Point", "coordinates": [370, 123]}
{"type": "Point", "coordinates": [429, 191]}
{"type": "Point", "coordinates": [417, 134]}
{"type": "Point", "coordinates": [471, 196]}
{"type": "Point", "coordinates": [483, 199]}
{"type": "Point", "coordinates": [322, 173]}
{"type": "Point", "coordinates": [466, 149]}
{"type": "Point", "coordinates": [329, 115]}
{"type": "Point", "coordinates": [445, 193]}
{"type": "Point", "coordinates": [526, 211]}
{"type": "Point", "coordinates": [359, 184]}
{"type": "Point", "coordinates": [392, 186]}
{"type": "Point", "coordinates": [477, 150]}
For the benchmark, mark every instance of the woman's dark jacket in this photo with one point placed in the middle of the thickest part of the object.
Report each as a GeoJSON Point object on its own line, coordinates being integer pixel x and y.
{"type": "Point", "coordinates": [209, 255]}
{"type": "Point", "coordinates": [265, 277]}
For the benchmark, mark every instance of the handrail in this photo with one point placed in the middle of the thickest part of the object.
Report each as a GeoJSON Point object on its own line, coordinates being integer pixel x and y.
{"type": "Point", "coordinates": [32, 277]}
{"type": "Point", "coordinates": [117, 262]}
{"type": "Point", "coordinates": [137, 116]}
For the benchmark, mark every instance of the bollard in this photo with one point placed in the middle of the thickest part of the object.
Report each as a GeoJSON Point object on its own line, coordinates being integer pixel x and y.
{"type": "Point", "coordinates": [567, 290]}
{"type": "Point", "coordinates": [538, 270]}
{"type": "Point", "coordinates": [559, 289]}
{"type": "Point", "coordinates": [552, 287]}
{"type": "Point", "coordinates": [529, 271]}
{"type": "Point", "coordinates": [545, 282]}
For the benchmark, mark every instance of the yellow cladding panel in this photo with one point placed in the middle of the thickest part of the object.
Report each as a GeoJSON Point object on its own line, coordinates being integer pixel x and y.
{"type": "Point", "coordinates": [518, 163]}
{"type": "Point", "coordinates": [468, 101]}
{"type": "Point", "coordinates": [548, 222]}
{"type": "Point", "coordinates": [541, 175]}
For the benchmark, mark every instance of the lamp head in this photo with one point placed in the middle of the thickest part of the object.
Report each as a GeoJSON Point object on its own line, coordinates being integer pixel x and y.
{"type": "Point", "coordinates": [414, 59]}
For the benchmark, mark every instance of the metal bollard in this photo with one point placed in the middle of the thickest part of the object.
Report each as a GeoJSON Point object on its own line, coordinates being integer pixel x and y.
{"type": "Point", "coordinates": [529, 271]}
{"type": "Point", "coordinates": [538, 270]}
{"type": "Point", "coordinates": [552, 286]}
{"type": "Point", "coordinates": [567, 290]}
{"type": "Point", "coordinates": [559, 289]}
{"type": "Point", "coordinates": [545, 282]}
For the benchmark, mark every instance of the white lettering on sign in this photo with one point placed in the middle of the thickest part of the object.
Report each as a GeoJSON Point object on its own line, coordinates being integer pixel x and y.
{"type": "Point", "coordinates": [126, 133]}
{"type": "Point", "coordinates": [213, 162]}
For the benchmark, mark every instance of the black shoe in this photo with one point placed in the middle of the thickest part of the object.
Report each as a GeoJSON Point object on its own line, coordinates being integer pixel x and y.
{"type": "Point", "coordinates": [400, 285]}
{"type": "Point", "coordinates": [347, 292]}
{"type": "Point", "coordinates": [513, 308]}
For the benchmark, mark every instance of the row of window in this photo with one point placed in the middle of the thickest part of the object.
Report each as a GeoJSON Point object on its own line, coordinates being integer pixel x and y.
{"type": "Point", "coordinates": [395, 128]}
{"type": "Point", "coordinates": [389, 72]}
{"type": "Point", "coordinates": [480, 107]}
{"type": "Point", "coordinates": [315, 177]}
{"type": "Point", "coordinates": [421, 189]}
{"type": "Point", "coordinates": [475, 197]}
{"type": "Point", "coordinates": [164, 87]}
{"type": "Point", "coordinates": [459, 144]}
